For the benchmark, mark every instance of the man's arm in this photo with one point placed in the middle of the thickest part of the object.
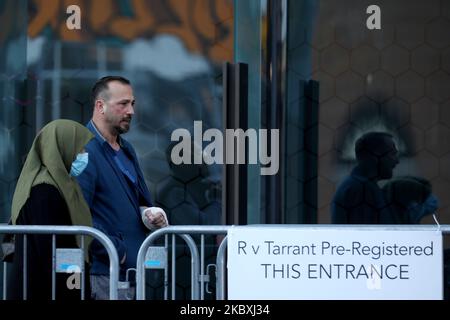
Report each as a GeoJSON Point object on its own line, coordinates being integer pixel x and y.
{"type": "Point", "coordinates": [87, 181]}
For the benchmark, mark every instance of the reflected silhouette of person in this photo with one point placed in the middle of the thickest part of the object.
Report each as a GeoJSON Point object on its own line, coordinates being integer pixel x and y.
{"type": "Point", "coordinates": [192, 197]}
{"type": "Point", "coordinates": [410, 199]}
{"type": "Point", "coordinates": [359, 199]}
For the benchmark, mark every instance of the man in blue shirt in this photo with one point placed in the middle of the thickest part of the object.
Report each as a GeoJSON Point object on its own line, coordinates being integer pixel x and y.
{"type": "Point", "coordinates": [359, 199]}
{"type": "Point", "coordinates": [113, 184]}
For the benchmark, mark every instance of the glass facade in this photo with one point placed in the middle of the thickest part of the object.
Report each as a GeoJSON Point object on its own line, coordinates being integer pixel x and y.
{"type": "Point", "coordinates": [15, 123]}
{"type": "Point", "coordinates": [249, 47]}
{"type": "Point", "coordinates": [171, 51]}
{"type": "Point", "coordinates": [316, 64]}
{"type": "Point", "coordinates": [393, 79]}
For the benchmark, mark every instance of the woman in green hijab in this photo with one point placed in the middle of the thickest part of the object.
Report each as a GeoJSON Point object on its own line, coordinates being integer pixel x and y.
{"type": "Point", "coordinates": [48, 194]}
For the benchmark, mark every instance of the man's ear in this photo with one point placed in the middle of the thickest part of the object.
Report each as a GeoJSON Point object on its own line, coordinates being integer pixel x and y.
{"type": "Point", "coordinates": [100, 106]}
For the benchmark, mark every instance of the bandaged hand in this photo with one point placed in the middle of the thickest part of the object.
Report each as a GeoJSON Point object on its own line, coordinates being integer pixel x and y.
{"type": "Point", "coordinates": [154, 218]}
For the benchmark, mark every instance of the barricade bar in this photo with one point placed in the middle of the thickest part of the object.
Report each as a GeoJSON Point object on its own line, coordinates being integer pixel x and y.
{"type": "Point", "coordinates": [76, 230]}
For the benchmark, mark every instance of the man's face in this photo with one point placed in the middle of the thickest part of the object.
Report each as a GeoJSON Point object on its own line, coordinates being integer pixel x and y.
{"type": "Point", "coordinates": [388, 160]}
{"type": "Point", "coordinates": [119, 108]}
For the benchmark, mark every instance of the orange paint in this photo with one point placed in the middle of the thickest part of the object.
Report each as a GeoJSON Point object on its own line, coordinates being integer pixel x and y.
{"type": "Point", "coordinates": [195, 22]}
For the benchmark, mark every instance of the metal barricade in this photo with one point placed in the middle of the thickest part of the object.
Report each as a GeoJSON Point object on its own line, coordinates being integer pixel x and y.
{"type": "Point", "coordinates": [198, 276]}
{"type": "Point", "coordinates": [63, 259]}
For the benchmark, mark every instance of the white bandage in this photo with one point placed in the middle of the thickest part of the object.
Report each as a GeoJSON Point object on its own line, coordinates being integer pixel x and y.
{"type": "Point", "coordinates": [153, 211]}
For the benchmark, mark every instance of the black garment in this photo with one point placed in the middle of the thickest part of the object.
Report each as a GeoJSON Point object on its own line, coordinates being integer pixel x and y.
{"type": "Point", "coordinates": [359, 200]}
{"type": "Point", "coordinates": [45, 206]}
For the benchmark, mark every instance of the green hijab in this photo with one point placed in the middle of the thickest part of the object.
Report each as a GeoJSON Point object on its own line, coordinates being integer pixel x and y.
{"type": "Point", "coordinates": [49, 161]}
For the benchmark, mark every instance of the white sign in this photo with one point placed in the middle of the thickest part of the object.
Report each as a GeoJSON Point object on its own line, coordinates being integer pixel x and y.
{"type": "Point", "coordinates": [330, 263]}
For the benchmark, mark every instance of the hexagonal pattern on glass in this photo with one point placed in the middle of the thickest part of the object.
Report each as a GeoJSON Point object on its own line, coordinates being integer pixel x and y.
{"type": "Point", "coordinates": [445, 9]}
{"type": "Point", "coordinates": [424, 113]}
{"type": "Point", "coordinates": [294, 213]}
{"type": "Point", "coordinates": [323, 37]}
{"type": "Point", "coordinates": [381, 40]}
{"type": "Point", "coordinates": [334, 113]}
{"type": "Point", "coordinates": [410, 35]}
{"type": "Point", "coordinates": [365, 60]}
{"type": "Point", "coordinates": [364, 111]}
{"type": "Point", "coordinates": [427, 165]}
{"type": "Point", "coordinates": [444, 113]}
{"type": "Point", "coordinates": [185, 214]}
{"type": "Point", "coordinates": [295, 114]}
{"type": "Point", "coordinates": [311, 136]}
{"type": "Point", "coordinates": [334, 60]}
{"type": "Point", "coordinates": [416, 138]}
{"type": "Point", "coordinates": [395, 60]}
{"type": "Point", "coordinates": [438, 86]}
{"type": "Point", "coordinates": [424, 12]}
{"type": "Point", "coordinates": [154, 166]}
{"type": "Point", "coordinates": [327, 190]}
{"type": "Point", "coordinates": [296, 134]}
{"type": "Point", "coordinates": [359, 199]}
{"type": "Point", "coordinates": [142, 138]}
{"type": "Point", "coordinates": [410, 86]}
{"type": "Point", "coordinates": [396, 111]}
{"type": "Point", "coordinates": [170, 193]}
{"type": "Point", "coordinates": [406, 74]}
{"type": "Point", "coordinates": [294, 194]}
{"type": "Point", "coordinates": [441, 187]}
{"type": "Point", "coordinates": [436, 140]}
{"type": "Point", "coordinates": [323, 214]}
{"type": "Point", "coordinates": [349, 86]}
{"type": "Point", "coordinates": [150, 112]}
{"type": "Point", "coordinates": [380, 86]}
{"type": "Point", "coordinates": [295, 168]}
{"type": "Point", "coordinates": [444, 167]}
{"type": "Point", "coordinates": [349, 37]}
{"type": "Point", "coordinates": [201, 192]}
{"type": "Point", "coordinates": [303, 53]}
{"type": "Point", "coordinates": [425, 60]}
{"type": "Point", "coordinates": [299, 37]}
{"type": "Point", "coordinates": [183, 110]}
{"type": "Point", "coordinates": [295, 87]}
{"type": "Point", "coordinates": [445, 59]}
{"type": "Point", "coordinates": [326, 140]}
{"type": "Point", "coordinates": [328, 167]}
{"type": "Point", "coordinates": [326, 85]}
{"type": "Point", "coordinates": [436, 33]}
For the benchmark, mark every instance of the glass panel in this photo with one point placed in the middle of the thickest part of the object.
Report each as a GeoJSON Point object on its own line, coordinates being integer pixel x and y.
{"type": "Point", "coordinates": [171, 52]}
{"type": "Point", "coordinates": [14, 125]}
{"type": "Point", "coordinates": [249, 48]}
{"type": "Point", "coordinates": [394, 79]}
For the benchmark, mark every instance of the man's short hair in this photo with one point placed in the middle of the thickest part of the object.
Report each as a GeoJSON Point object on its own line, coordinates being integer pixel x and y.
{"type": "Point", "coordinates": [102, 85]}
{"type": "Point", "coordinates": [371, 142]}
